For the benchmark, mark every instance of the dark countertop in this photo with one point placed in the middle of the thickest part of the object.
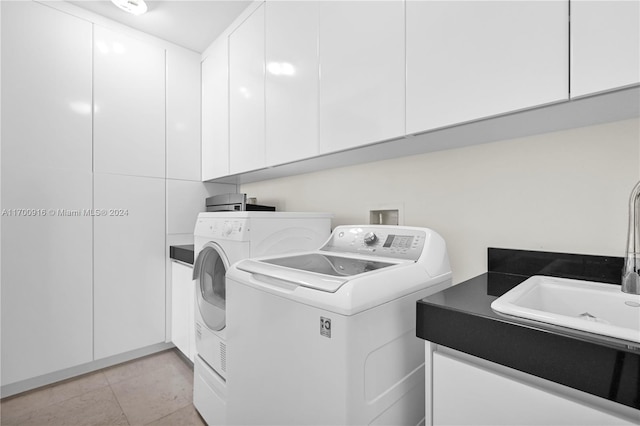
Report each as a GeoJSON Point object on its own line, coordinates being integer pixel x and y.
{"type": "Point", "coordinates": [461, 318]}
{"type": "Point", "coordinates": [182, 253]}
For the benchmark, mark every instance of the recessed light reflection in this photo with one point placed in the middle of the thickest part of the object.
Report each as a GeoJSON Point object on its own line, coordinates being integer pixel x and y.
{"type": "Point", "coordinates": [105, 48]}
{"type": "Point", "coordinates": [79, 107]}
{"type": "Point", "coordinates": [118, 48]}
{"type": "Point", "coordinates": [281, 68]}
{"type": "Point", "coordinates": [102, 47]}
{"type": "Point", "coordinates": [244, 92]}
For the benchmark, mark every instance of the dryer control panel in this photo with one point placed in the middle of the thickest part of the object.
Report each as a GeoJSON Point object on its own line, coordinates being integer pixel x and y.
{"type": "Point", "coordinates": [401, 242]}
{"type": "Point", "coordinates": [223, 229]}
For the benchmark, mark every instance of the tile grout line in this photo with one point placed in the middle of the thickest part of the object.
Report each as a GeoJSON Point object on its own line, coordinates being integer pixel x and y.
{"type": "Point", "coordinates": [115, 396]}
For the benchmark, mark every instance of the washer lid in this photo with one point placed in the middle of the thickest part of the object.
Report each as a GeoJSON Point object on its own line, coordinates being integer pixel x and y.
{"type": "Point", "coordinates": [313, 270]}
{"type": "Point", "coordinates": [329, 264]}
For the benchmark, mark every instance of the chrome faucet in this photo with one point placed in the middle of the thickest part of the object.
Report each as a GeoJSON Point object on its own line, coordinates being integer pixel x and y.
{"type": "Point", "coordinates": [630, 277]}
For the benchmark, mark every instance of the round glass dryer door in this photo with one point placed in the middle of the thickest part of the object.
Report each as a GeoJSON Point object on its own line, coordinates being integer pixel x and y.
{"type": "Point", "coordinates": [209, 273]}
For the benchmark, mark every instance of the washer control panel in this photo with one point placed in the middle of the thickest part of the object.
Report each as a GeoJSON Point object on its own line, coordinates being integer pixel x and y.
{"type": "Point", "coordinates": [396, 242]}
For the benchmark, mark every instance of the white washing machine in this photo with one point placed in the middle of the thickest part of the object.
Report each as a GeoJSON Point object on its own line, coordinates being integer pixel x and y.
{"type": "Point", "coordinates": [328, 336]}
{"type": "Point", "coordinates": [221, 239]}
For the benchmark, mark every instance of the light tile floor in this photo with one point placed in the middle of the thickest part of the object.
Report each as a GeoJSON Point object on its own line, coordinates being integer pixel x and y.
{"type": "Point", "coordinates": [155, 390]}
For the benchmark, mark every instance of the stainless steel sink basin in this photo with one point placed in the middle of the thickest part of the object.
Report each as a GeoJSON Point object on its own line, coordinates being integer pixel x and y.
{"type": "Point", "coordinates": [581, 305]}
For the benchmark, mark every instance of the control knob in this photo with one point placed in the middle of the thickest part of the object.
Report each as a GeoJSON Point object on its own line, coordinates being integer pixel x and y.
{"type": "Point", "coordinates": [370, 238]}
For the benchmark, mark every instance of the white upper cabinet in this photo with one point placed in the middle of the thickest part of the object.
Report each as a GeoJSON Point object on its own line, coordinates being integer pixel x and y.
{"type": "Point", "coordinates": [183, 115]}
{"type": "Point", "coordinates": [605, 45]}
{"type": "Point", "coordinates": [362, 73]}
{"type": "Point", "coordinates": [46, 88]}
{"type": "Point", "coordinates": [129, 98]}
{"type": "Point", "coordinates": [291, 81]}
{"type": "Point", "coordinates": [215, 111]}
{"type": "Point", "coordinates": [246, 95]}
{"type": "Point", "coordinates": [468, 60]}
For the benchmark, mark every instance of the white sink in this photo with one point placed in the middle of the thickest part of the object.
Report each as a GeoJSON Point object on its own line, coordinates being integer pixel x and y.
{"type": "Point", "coordinates": [582, 305]}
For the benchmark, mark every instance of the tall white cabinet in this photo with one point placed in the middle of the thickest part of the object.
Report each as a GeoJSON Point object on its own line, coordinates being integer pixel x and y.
{"type": "Point", "coordinates": [88, 113]}
{"type": "Point", "coordinates": [362, 73]}
{"type": "Point", "coordinates": [129, 144]}
{"type": "Point", "coordinates": [46, 167]}
{"type": "Point", "coordinates": [605, 45]}
{"type": "Point", "coordinates": [246, 95]}
{"type": "Point", "coordinates": [468, 60]}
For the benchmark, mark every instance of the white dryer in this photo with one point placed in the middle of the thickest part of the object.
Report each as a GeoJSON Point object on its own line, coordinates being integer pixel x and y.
{"type": "Point", "coordinates": [220, 240]}
{"type": "Point", "coordinates": [328, 336]}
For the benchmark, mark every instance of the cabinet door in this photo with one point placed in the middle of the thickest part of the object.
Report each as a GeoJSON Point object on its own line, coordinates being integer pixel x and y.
{"type": "Point", "coordinates": [129, 268]}
{"type": "Point", "coordinates": [246, 95]}
{"type": "Point", "coordinates": [215, 111]}
{"type": "Point", "coordinates": [46, 183]}
{"type": "Point", "coordinates": [129, 102]}
{"type": "Point", "coordinates": [183, 115]}
{"type": "Point", "coordinates": [46, 272]}
{"type": "Point", "coordinates": [291, 81]}
{"type": "Point", "coordinates": [182, 303]}
{"type": "Point", "coordinates": [466, 394]}
{"type": "Point", "coordinates": [46, 88]}
{"type": "Point", "coordinates": [362, 73]}
{"type": "Point", "coordinates": [468, 60]}
{"type": "Point", "coordinates": [605, 45]}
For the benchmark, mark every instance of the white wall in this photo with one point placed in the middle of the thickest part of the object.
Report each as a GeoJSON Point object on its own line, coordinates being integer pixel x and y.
{"type": "Point", "coordinates": [565, 191]}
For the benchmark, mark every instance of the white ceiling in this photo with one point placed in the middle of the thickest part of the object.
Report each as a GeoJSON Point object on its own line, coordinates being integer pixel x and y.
{"type": "Point", "coordinates": [188, 23]}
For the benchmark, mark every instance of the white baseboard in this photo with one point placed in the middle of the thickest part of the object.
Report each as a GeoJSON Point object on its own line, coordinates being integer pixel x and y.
{"type": "Point", "coordinates": [47, 379]}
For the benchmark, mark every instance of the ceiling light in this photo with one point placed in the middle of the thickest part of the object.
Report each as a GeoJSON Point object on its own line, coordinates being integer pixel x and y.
{"type": "Point", "coordinates": [136, 7]}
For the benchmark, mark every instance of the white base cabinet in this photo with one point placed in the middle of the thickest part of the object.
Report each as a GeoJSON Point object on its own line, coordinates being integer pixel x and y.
{"type": "Point", "coordinates": [183, 333]}
{"type": "Point", "coordinates": [464, 390]}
